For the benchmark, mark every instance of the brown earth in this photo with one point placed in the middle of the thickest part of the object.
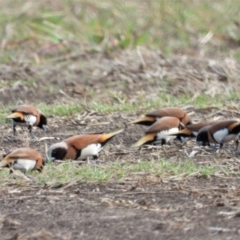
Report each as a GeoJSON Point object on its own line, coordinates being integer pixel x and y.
{"type": "Point", "coordinates": [141, 206]}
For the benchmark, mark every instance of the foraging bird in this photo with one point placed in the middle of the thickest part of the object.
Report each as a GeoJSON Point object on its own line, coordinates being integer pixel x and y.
{"type": "Point", "coordinates": [23, 159]}
{"type": "Point", "coordinates": [202, 136]}
{"type": "Point", "coordinates": [160, 131]}
{"type": "Point", "coordinates": [80, 146]}
{"type": "Point", "coordinates": [220, 133]}
{"type": "Point", "coordinates": [152, 117]}
{"type": "Point", "coordinates": [191, 131]}
{"type": "Point", "coordinates": [29, 116]}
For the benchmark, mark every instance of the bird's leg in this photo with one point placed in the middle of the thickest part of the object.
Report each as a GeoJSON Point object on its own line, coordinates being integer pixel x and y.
{"type": "Point", "coordinates": [13, 138]}
{"type": "Point", "coordinates": [213, 147]}
{"type": "Point", "coordinates": [233, 149]}
{"type": "Point", "coordinates": [164, 148]}
{"type": "Point", "coordinates": [220, 147]}
{"type": "Point", "coordinates": [237, 143]}
{"type": "Point", "coordinates": [30, 131]}
{"type": "Point", "coordinates": [88, 160]}
{"type": "Point", "coordinates": [11, 173]}
{"type": "Point", "coordinates": [25, 176]}
{"type": "Point", "coordinates": [14, 128]}
{"type": "Point", "coordinates": [29, 177]}
{"type": "Point", "coordinates": [95, 157]}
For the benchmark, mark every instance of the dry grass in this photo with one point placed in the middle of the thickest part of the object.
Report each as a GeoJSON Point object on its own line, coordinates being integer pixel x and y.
{"type": "Point", "coordinates": [174, 26]}
{"type": "Point", "coordinates": [95, 66]}
{"type": "Point", "coordinates": [119, 85]}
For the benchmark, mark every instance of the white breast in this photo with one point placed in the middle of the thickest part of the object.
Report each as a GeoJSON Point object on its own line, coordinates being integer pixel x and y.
{"type": "Point", "coordinates": [90, 150]}
{"type": "Point", "coordinates": [220, 135]}
{"type": "Point", "coordinates": [30, 119]}
{"type": "Point", "coordinates": [24, 164]}
{"type": "Point", "coordinates": [165, 134]}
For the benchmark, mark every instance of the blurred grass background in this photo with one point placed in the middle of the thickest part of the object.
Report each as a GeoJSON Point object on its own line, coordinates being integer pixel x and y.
{"type": "Point", "coordinates": [37, 30]}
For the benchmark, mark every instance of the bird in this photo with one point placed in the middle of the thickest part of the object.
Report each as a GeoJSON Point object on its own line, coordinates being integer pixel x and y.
{"type": "Point", "coordinates": [160, 131]}
{"type": "Point", "coordinates": [29, 116]}
{"type": "Point", "coordinates": [23, 159]}
{"type": "Point", "coordinates": [152, 117]}
{"type": "Point", "coordinates": [219, 133]}
{"type": "Point", "coordinates": [202, 137]}
{"type": "Point", "coordinates": [191, 130]}
{"type": "Point", "coordinates": [79, 146]}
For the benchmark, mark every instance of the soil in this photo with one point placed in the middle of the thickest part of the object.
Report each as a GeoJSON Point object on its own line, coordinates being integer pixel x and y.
{"type": "Point", "coordinates": [140, 206]}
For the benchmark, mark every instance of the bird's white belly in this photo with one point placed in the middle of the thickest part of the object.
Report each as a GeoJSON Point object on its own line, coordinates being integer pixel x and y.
{"type": "Point", "coordinates": [91, 150]}
{"type": "Point", "coordinates": [24, 164]}
{"type": "Point", "coordinates": [220, 135]}
{"type": "Point", "coordinates": [165, 134]}
{"type": "Point", "coordinates": [30, 119]}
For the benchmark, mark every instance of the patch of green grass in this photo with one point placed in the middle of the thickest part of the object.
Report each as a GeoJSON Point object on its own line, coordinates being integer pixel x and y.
{"type": "Point", "coordinates": [111, 24]}
{"type": "Point", "coordinates": [29, 82]}
{"type": "Point", "coordinates": [204, 101]}
{"type": "Point", "coordinates": [64, 173]}
{"type": "Point", "coordinates": [110, 108]}
{"type": "Point", "coordinates": [3, 113]}
{"type": "Point", "coordinates": [233, 96]}
{"type": "Point", "coordinates": [187, 167]}
{"type": "Point", "coordinates": [59, 109]}
{"type": "Point", "coordinates": [120, 104]}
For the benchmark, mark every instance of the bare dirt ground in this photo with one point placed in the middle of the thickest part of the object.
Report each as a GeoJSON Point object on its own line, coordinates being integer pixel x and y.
{"type": "Point", "coordinates": [141, 206]}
